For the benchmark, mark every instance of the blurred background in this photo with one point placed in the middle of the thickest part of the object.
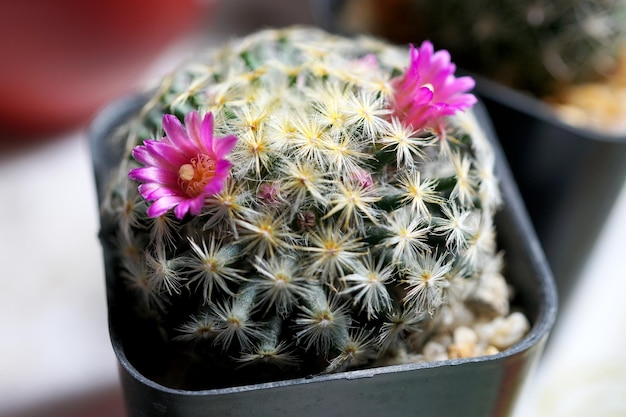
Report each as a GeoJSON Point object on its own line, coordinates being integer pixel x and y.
{"type": "Point", "coordinates": [66, 60]}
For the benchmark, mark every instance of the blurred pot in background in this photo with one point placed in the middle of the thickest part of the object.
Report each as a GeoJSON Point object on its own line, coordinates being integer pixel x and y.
{"type": "Point", "coordinates": [552, 75]}
{"type": "Point", "coordinates": [62, 60]}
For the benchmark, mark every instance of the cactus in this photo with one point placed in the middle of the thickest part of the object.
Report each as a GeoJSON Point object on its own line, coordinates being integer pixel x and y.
{"type": "Point", "coordinates": [532, 45]}
{"type": "Point", "coordinates": [299, 203]}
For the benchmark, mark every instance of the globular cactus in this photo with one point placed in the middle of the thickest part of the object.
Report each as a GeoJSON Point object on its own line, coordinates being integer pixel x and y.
{"type": "Point", "coordinates": [532, 45]}
{"type": "Point", "coordinates": [298, 203]}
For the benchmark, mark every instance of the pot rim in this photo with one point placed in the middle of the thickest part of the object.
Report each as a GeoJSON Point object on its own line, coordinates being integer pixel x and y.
{"type": "Point", "coordinates": [535, 107]}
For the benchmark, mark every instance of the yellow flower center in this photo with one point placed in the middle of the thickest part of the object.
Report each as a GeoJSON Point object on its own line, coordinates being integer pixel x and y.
{"type": "Point", "coordinates": [195, 175]}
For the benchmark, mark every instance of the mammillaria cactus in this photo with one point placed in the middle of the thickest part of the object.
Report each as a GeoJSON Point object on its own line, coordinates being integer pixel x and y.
{"type": "Point", "coordinates": [298, 203]}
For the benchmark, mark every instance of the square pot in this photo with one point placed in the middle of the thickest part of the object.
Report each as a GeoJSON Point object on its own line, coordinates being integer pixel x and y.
{"type": "Point", "coordinates": [482, 386]}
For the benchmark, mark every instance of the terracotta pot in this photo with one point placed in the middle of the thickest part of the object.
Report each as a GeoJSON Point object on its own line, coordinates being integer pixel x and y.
{"type": "Point", "coordinates": [62, 60]}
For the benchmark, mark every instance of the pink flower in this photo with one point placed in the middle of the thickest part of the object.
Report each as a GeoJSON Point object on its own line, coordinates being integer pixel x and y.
{"type": "Point", "coordinates": [361, 177]}
{"type": "Point", "coordinates": [428, 90]}
{"type": "Point", "coordinates": [184, 167]}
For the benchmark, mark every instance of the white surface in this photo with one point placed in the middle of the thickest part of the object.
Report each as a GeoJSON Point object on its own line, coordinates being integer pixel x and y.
{"type": "Point", "coordinates": [53, 332]}
{"type": "Point", "coordinates": [583, 373]}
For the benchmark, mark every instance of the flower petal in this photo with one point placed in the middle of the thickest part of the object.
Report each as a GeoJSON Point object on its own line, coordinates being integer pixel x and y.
{"type": "Point", "coordinates": [153, 191]}
{"type": "Point", "coordinates": [177, 134]}
{"type": "Point", "coordinates": [145, 155]}
{"type": "Point", "coordinates": [222, 146]}
{"type": "Point", "coordinates": [458, 84]}
{"type": "Point", "coordinates": [153, 174]}
{"type": "Point", "coordinates": [192, 206]}
{"type": "Point", "coordinates": [206, 131]}
{"type": "Point", "coordinates": [163, 205]}
{"type": "Point", "coordinates": [167, 152]}
{"type": "Point", "coordinates": [193, 124]}
{"type": "Point", "coordinates": [195, 205]}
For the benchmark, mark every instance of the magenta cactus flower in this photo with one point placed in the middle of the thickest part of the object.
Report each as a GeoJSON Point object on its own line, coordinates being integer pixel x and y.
{"type": "Point", "coordinates": [428, 90]}
{"type": "Point", "coordinates": [183, 168]}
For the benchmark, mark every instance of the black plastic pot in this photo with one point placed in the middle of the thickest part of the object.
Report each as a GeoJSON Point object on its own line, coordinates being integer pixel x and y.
{"type": "Point", "coordinates": [477, 387]}
{"type": "Point", "coordinates": [569, 177]}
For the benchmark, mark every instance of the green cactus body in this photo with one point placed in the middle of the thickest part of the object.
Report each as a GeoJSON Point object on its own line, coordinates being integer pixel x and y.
{"type": "Point", "coordinates": [341, 238]}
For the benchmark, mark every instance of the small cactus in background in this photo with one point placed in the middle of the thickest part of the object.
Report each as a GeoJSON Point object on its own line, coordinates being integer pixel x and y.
{"type": "Point", "coordinates": [298, 203]}
{"type": "Point", "coordinates": [532, 45]}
